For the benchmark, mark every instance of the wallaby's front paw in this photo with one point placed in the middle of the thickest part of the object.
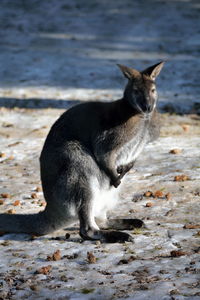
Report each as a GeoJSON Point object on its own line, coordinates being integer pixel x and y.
{"type": "Point", "coordinates": [116, 183]}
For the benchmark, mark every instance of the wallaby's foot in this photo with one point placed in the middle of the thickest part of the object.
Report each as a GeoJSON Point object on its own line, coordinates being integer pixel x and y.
{"type": "Point", "coordinates": [125, 224]}
{"type": "Point", "coordinates": [115, 236]}
{"type": "Point", "coordinates": [107, 236]}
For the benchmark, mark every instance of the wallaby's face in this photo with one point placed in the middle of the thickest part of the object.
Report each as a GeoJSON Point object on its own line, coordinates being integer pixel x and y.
{"type": "Point", "coordinates": [141, 88]}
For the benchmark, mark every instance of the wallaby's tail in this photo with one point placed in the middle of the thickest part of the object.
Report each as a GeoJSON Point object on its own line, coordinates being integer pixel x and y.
{"type": "Point", "coordinates": [38, 224]}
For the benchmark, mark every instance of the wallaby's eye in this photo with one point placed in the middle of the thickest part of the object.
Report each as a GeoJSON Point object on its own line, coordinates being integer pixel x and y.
{"type": "Point", "coordinates": [153, 90]}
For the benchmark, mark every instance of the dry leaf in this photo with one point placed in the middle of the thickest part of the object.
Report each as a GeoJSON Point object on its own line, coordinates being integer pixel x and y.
{"type": "Point", "coordinates": [181, 178]}
{"type": "Point", "coordinates": [158, 194]}
{"type": "Point", "coordinates": [177, 253]}
{"type": "Point", "coordinates": [56, 256]}
{"type": "Point", "coordinates": [175, 151]}
{"type": "Point", "coordinates": [16, 203]}
{"type": "Point", "coordinates": [44, 270]}
{"type": "Point", "coordinates": [148, 194]}
{"type": "Point", "coordinates": [34, 196]}
{"type": "Point", "coordinates": [191, 226]}
{"type": "Point", "coordinates": [168, 196]}
{"type": "Point", "coordinates": [5, 195]}
{"type": "Point", "coordinates": [11, 211]}
{"type": "Point", "coordinates": [38, 189]}
{"type": "Point", "coordinates": [149, 204]}
{"type": "Point", "coordinates": [11, 157]}
{"type": "Point", "coordinates": [14, 144]}
{"type": "Point", "coordinates": [185, 127]}
{"type": "Point", "coordinates": [91, 258]}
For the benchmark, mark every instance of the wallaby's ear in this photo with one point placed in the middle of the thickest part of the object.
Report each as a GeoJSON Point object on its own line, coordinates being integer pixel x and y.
{"type": "Point", "coordinates": [128, 72]}
{"type": "Point", "coordinates": [154, 70]}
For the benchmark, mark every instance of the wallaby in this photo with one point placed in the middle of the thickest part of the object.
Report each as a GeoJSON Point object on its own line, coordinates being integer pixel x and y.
{"type": "Point", "coordinates": [87, 152]}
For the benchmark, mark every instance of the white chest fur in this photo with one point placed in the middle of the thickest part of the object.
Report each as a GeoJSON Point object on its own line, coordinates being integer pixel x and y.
{"type": "Point", "coordinates": [105, 197]}
{"type": "Point", "coordinates": [130, 150]}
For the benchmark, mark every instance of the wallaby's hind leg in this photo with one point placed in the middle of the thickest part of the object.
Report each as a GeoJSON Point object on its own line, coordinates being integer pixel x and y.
{"type": "Point", "coordinates": [125, 224]}
{"type": "Point", "coordinates": [89, 230]}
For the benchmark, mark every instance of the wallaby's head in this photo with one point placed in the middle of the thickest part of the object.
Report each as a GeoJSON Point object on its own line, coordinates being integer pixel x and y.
{"type": "Point", "coordinates": [141, 88]}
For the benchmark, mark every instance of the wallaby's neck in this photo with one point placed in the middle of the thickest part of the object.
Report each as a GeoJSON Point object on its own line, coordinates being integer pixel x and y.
{"type": "Point", "coordinates": [127, 111]}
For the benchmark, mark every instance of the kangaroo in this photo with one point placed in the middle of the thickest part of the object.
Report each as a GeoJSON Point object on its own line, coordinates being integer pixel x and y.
{"type": "Point", "coordinates": [85, 157]}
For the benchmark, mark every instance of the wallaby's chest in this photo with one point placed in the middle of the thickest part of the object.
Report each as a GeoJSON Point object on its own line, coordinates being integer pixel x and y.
{"type": "Point", "coordinates": [133, 146]}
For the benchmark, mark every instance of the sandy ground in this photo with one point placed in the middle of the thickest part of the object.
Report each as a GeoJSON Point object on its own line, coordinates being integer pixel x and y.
{"type": "Point", "coordinates": [55, 54]}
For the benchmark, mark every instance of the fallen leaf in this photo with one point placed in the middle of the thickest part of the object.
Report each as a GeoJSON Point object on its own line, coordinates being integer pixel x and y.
{"type": "Point", "coordinates": [191, 226]}
{"type": "Point", "coordinates": [181, 178]}
{"type": "Point", "coordinates": [34, 196]}
{"type": "Point", "coordinates": [11, 157]}
{"type": "Point", "coordinates": [177, 253]}
{"type": "Point", "coordinates": [5, 195]}
{"type": "Point", "coordinates": [168, 196]}
{"type": "Point", "coordinates": [175, 151]}
{"type": "Point", "coordinates": [158, 194]}
{"type": "Point", "coordinates": [11, 211]}
{"type": "Point", "coordinates": [44, 270]}
{"type": "Point", "coordinates": [16, 203]}
{"type": "Point", "coordinates": [55, 256]}
{"type": "Point", "coordinates": [14, 144]}
{"type": "Point", "coordinates": [149, 204]}
{"type": "Point", "coordinates": [148, 194]}
{"type": "Point", "coordinates": [185, 127]}
{"type": "Point", "coordinates": [91, 258]}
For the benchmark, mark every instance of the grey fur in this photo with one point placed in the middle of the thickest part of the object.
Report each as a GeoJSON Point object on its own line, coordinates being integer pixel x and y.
{"type": "Point", "coordinates": [90, 148]}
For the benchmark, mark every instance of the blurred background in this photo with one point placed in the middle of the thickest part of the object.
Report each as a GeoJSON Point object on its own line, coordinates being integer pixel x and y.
{"type": "Point", "coordinates": [58, 51]}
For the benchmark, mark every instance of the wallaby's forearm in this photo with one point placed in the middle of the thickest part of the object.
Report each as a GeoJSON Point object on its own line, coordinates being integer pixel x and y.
{"type": "Point", "coordinates": [106, 162]}
{"type": "Point", "coordinates": [122, 170]}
